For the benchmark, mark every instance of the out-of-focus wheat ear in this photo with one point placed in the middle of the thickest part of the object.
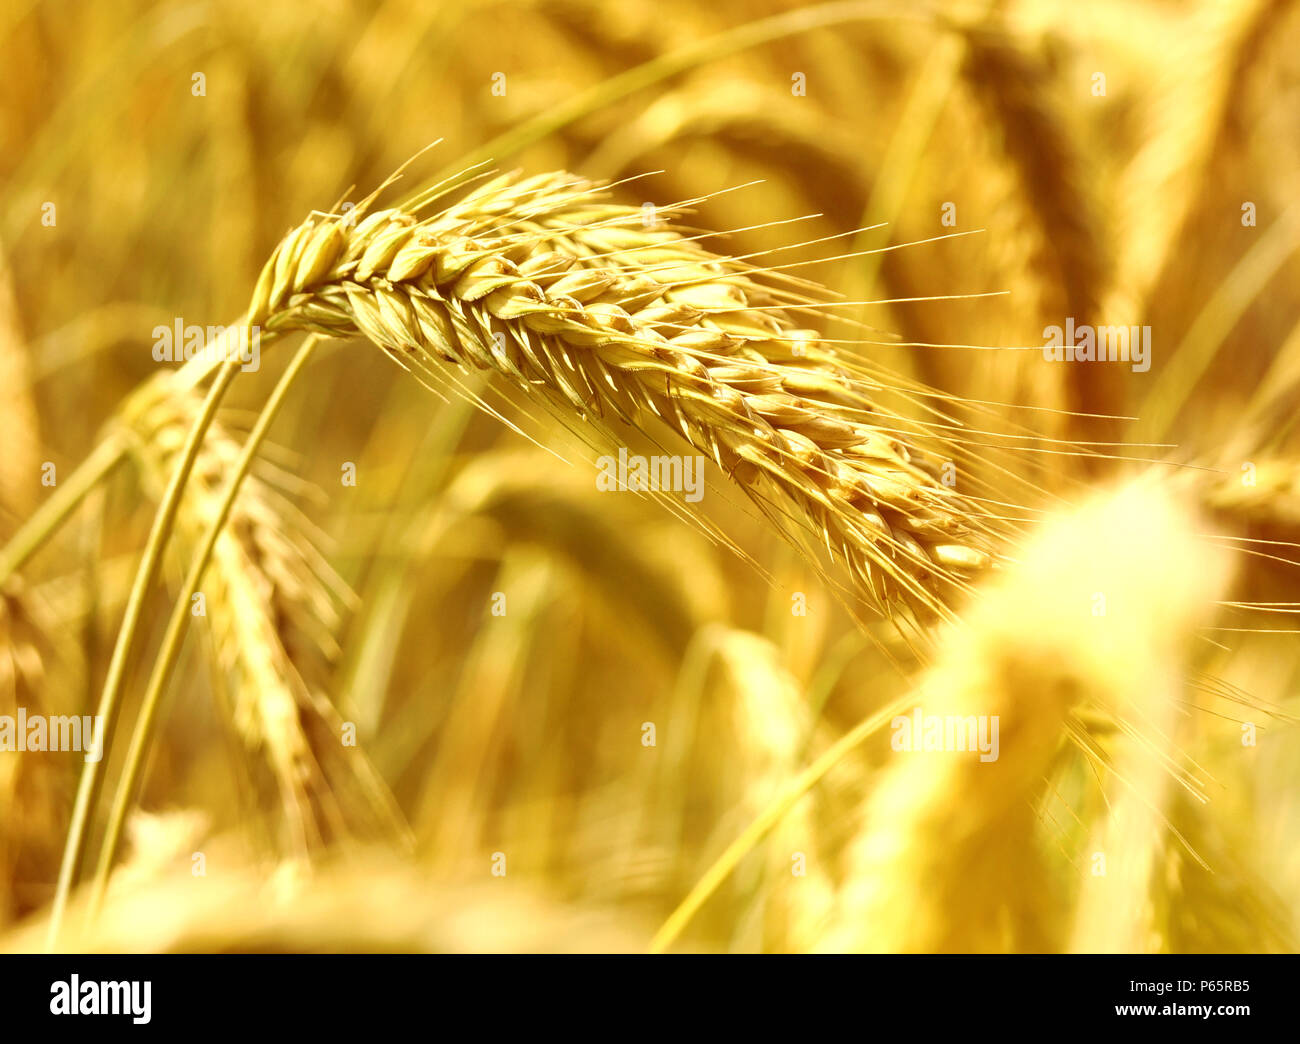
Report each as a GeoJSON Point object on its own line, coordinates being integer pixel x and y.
{"type": "Point", "coordinates": [1209, 56]}
{"type": "Point", "coordinates": [30, 783]}
{"type": "Point", "coordinates": [370, 903]}
{"type": "Point", "coordinates": [1167, 870]}
{"type": "Point", "coordinates": [1040, 138]}
{"type": "Point", "coordinates": [1099, 612]}
{"type": "Point", "coordinates": [548, 284]}
{"type": "Point", "coordinates": [20, 460]}
{"type": "Point", "coordinates": [1123, 858]}
{"type": "Point", "coordinates": [553, 509]}
{"type": "Point", "coordinates": [273, 606]}
{"type": "Point", "coordinates": [452, 812]}
{"type": "Point", "coordinates": [749, 122]}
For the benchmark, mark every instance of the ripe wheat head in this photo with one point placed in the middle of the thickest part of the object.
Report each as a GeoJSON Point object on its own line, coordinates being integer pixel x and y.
{"type": "Point", "coordinates": [612, 312]}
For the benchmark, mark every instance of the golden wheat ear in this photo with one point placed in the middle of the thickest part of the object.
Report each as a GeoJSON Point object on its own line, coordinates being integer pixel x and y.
{"type": "Point", "coordinates": [273, 606]}
{"type": "Point", "coordinates": [610, 313]}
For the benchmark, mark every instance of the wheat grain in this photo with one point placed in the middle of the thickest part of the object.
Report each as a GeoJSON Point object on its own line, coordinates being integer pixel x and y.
{"type": "Point", "coordinates": [547, 282]}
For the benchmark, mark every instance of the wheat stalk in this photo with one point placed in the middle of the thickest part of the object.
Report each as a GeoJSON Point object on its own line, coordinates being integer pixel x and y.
{"type": "Point", "coordinates": [547, 282]}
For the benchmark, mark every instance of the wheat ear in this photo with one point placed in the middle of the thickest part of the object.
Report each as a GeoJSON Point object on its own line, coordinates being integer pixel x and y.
{"type": "Point", "coordinates": [1100, 606]}
{"type": "Point", "coordinates": [546, 281]}
{"type": "Point", "coordinates": [29, 785]}
{"type": "Point", "coordinates": [273, 605]}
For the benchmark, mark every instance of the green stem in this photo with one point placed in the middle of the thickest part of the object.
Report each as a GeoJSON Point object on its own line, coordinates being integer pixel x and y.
{"type": "Point", "coordinates": [91, 775]}
{"type": "Point", "coordinates": [172, 640]}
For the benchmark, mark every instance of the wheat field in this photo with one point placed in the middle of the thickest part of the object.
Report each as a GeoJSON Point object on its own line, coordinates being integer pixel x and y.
{"type": "Point", "coordinates": [558, 476]}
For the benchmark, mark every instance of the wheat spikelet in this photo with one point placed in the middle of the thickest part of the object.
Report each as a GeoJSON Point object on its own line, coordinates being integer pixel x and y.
{"type": "Point", "coordinates": [273, 604]}
{"type": "Point", "coordinates": [547, 282]}
{"type": "Point", "coordinates": [950, 858]}
{"type": "Point", "coordinates": [1207, 59]}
